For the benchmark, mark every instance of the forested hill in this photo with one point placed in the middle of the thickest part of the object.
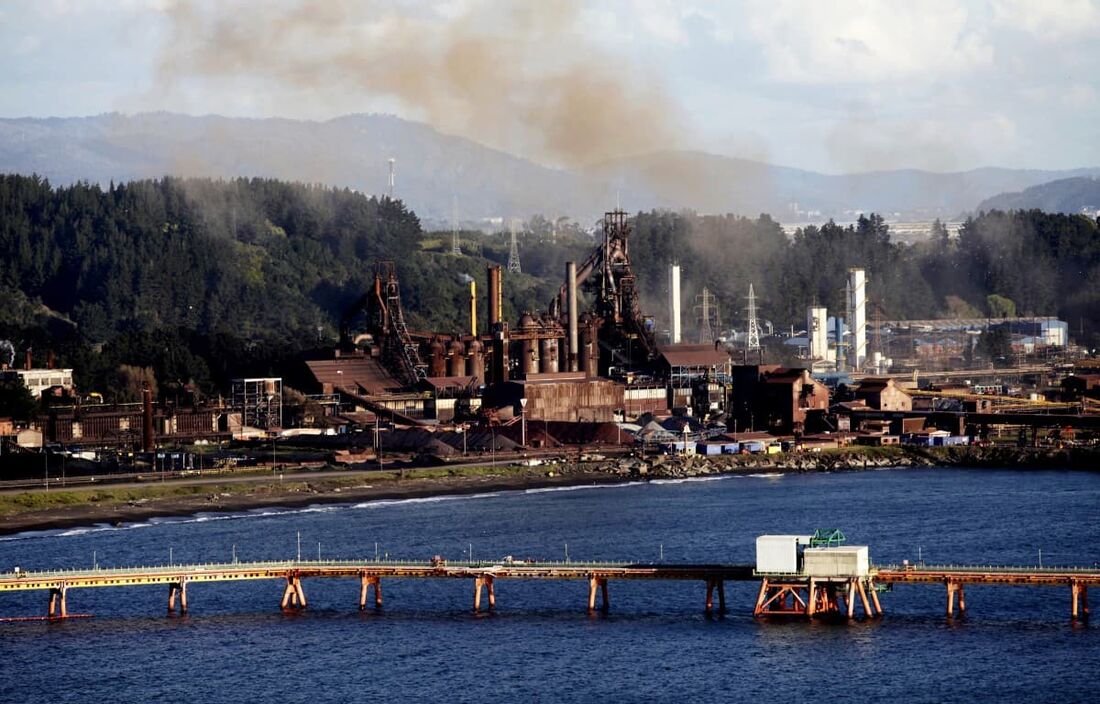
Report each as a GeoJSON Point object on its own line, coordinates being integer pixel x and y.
{"type": "Point", "coordinates": [193, 280]}
{"type": "Point", "coordinates": [1067, 195]}
{"type": "Point", "coordinates": [199, 280]}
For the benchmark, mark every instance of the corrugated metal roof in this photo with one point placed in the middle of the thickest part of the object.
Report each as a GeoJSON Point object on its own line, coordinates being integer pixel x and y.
{"type": "Point", "coordinates": [693, 355]}
{"type": "Point", "coordinates": [349, 372]}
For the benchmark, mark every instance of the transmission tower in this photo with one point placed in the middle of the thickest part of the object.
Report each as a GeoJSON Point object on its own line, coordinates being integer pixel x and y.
{"type": "Point", "coordinates": [513, 251]}
{"type": "Point", "coordinates": [455, 249]}
{"type": "Point", "coordinates": [706, 310]}
{"type": "Point", "coordinates": [752, 341]}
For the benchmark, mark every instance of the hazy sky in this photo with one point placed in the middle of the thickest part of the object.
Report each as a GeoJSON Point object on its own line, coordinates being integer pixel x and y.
{"type": "Point", "coordinates": [831, 86]}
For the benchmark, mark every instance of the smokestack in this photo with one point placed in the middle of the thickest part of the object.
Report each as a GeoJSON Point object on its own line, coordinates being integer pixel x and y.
{"type": "Point", "coordinates": [571, 287]}
{"type": "Point", "coordinates": [857, 285]}
{"type": "Point", "coordinates": [473, 308]}
{"type": "Point", "coordinates": [392, 161]}
{"type": "Point", "coordinates": [28, 361]}
{"type": "Point", "coordinates": [674, 303]}
{"type": "Point", "coordinates": [147, 443]}
{"type": "Point", "coordinates": [494, 296]}
{"type": "Point", "coordinates": [817, 333]}
{"type": "Point", "coordinates": [51, 360]}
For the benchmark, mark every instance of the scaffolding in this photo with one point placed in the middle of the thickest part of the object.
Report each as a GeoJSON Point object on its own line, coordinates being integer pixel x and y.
{"type": "Point", "coordinates": [259, 400]}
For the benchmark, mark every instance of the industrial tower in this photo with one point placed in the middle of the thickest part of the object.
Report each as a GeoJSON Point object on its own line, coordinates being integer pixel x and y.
{"type": "Point", "coordinates": [752, 341]}
{"type": "Point", "coordinates": [707, 308]}
{"type": "Point", "coordinates": [513, 251]}
{"type": "Point", "coordinates": [392, 162]}
{"type": "Point", "coordinates": [455, 249]}
{"type": "Point", "coordinates": [674, 303]}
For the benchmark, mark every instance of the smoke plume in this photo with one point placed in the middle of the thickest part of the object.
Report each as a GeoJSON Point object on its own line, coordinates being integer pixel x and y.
{"type": "Point", "coordinates": [516, 75]}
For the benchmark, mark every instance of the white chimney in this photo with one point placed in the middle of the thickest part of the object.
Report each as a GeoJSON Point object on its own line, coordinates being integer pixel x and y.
{"type": "Point", "coordinates": [674, 303]}
{"type": "Point", "coordinates": [817, 333]}
{"type": "Point", "coordinates": [857, 284]}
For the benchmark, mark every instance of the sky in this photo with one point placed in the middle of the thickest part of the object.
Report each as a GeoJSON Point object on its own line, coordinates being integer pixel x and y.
{"type": "Point", "coordinates": [831, 86]}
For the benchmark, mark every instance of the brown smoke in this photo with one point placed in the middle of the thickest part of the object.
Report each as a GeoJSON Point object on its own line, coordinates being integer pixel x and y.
{"type": "Point", "coordinates": [516, 75]}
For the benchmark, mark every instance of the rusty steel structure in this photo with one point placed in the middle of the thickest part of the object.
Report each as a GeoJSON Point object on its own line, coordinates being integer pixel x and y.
{"type": "Point", "coordinates": [612, 336]}
{"type": "Point", "coordinates": [780, 595]}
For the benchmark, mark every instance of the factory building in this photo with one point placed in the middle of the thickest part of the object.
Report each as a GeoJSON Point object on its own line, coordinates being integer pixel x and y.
{"type": "Point", "coordinates": [883, 394]}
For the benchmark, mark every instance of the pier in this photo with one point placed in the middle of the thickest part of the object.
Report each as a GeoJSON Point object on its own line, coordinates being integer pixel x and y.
{"type": "Point", "coordinates": [780, 595]}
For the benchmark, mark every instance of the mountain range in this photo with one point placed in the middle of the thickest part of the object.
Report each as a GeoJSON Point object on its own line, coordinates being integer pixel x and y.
{"type": "Point", "coordinates": [1067, 195]}
{"type": "Point", "coordinates": [439, 175]}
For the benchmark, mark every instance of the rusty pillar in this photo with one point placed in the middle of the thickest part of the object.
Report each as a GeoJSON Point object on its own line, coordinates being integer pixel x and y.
{"type": "Point", "coordinates": [299, 592]}
{"type": "Point", "coordinates": [495, 296]}
{"type": "Point", "coordinates": [710, 595]}
{"type": "Point", "coordinates": [365, 581]}
{"type": "Point", "coordinates": [571, 286]}
{"type": "Point", "coordinates": [478, 582]}
{"type": "Point", "coordinates": [867, 610]}
{"type": "Point", "coordinates": [148, 443]}
{"type": "Point", "coordinates": [760, 598]}
{"type": "Point", "coordinates": [601, 584]}
{"type": "Point", "coordinates": [850, 599]}
{"type": "Point", "coordinates": [1075, 597]}
{"type": "Point", "coordinates": [811, 601]}
{"type": "Point", "coordinates": [58, 607]}
{"type": "Point", "coordinates": [288, 594]}
{"type": "Point", "coordinates": [951, 589]}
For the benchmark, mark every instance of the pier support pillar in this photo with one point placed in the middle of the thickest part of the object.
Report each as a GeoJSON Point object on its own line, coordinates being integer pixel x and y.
{"type": "Point", "coordinates": [593, 584]}
{"type": "Point", "coordinates": [811, 602]}
{"type": "Point", "coordinates": [485, 581]}
{"type": "Point", "coordinates": [366, 581]}
{"type": "Point", "coordinates": [955, 592]}
{"type": "Point", "coordinates": [58, 607]}
{"type": "Point", "coordinates": [719, 586]}
{"type": "Point", "coordinates": [874, 597]}
{"type": "Point", "coordinates": [1080, 600]}
{"type": "Point", "coordinates": [294, 597]}
{"type": "Point", "coordinates": [177, 589]}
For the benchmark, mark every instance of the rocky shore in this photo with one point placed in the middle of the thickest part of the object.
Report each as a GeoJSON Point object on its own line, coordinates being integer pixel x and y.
{"type": "Point", "coordinates": [89, 507]}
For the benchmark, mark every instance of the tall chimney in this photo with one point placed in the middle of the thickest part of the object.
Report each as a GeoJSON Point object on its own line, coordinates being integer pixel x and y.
{"type": "Point", "coordinates": [571, 287]}
{"type": "Point", "coordinates": [494, 301]}
{"type": "Point", "coordinates": [473, 308]}
{"type": "Point", "coordinates": [857, 325]}
{"type": "Point", "coordinates": [147, 443]}
{"type": "Point", "coordinates": [51, 360]}
{"type": "Point", "coordinates": [28, 361]}
{"type": "Point", "coordinates": [674, 303]}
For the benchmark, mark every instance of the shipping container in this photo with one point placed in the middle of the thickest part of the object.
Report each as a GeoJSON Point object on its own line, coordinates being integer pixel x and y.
{"type": "Point", "coordinates": [780, 553]}
{"type": "Point", "coordinates": [844, 561]}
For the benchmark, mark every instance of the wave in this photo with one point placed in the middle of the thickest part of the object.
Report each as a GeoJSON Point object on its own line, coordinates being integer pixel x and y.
{"type": "Point", "coordinates": [767, 475]}
{"type": "Point", "coordinates": [686, 480]}
{"type": "Point", "coordinates": [579, 487]}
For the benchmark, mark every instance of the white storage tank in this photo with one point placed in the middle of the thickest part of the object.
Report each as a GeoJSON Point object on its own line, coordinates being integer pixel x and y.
{"type": "Point", "coordinates": [780, 553]}
{"type": "Point", "coordinates": [844, 561]}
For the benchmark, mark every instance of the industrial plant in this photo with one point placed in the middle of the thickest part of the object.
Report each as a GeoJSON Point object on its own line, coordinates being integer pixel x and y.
{"type": "Point", "coordinates": [593, 369]}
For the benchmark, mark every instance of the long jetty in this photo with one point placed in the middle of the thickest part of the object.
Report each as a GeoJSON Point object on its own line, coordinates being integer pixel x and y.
{"type": "Point", "coordinates": [779, 595]}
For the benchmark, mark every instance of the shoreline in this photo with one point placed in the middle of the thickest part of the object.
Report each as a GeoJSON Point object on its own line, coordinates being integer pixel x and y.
{"type": "Point", "coordinates": [301, 490]}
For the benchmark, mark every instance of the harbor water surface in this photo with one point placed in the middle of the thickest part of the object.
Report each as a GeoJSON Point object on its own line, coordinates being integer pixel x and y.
{"type": "Point", "coordinates": [656, 643]}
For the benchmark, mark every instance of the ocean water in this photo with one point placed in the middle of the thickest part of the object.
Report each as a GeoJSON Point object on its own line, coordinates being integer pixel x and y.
{"type": "Point", "coordinates": [655, 644]}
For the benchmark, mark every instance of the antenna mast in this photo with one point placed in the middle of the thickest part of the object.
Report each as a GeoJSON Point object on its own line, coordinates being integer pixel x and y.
{"type": "Point", "coordinates": [513, 251]}
{"type": "Point", "coordinates": [455, 249]}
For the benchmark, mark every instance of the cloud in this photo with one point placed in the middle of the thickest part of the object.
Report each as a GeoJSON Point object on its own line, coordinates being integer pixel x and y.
{"type": "Point", "coordinates": [1048, 19]}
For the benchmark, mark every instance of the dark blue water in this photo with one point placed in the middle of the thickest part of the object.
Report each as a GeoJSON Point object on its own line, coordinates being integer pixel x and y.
{"type": "Point", "coordinates": [655, 644]}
